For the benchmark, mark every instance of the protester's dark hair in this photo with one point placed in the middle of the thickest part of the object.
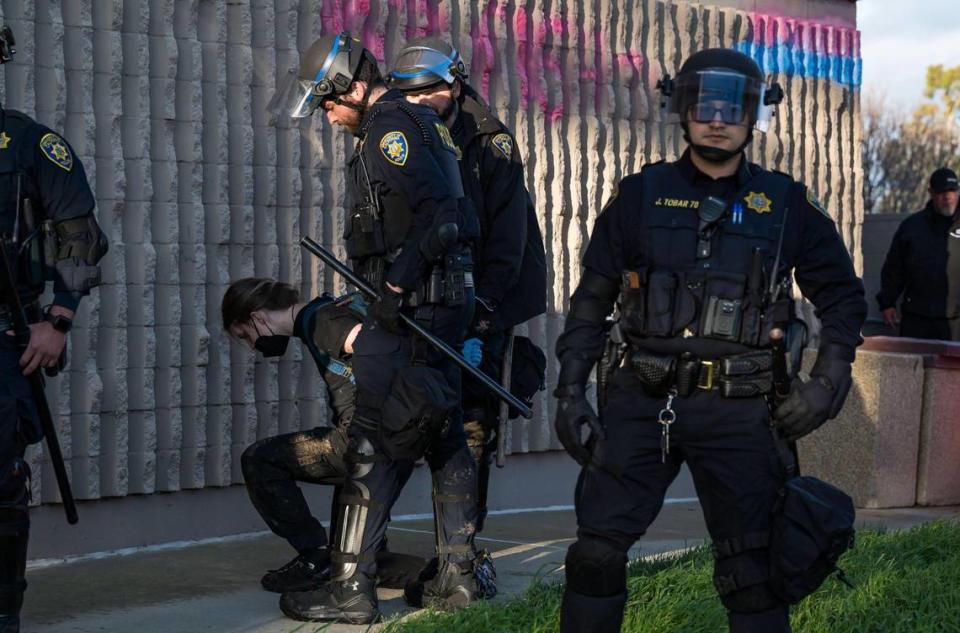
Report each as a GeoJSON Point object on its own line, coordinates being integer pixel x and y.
{"type": "Point", "coordinates": [369, 71]}
{"type": "Point", "coordinates": [248, 295]}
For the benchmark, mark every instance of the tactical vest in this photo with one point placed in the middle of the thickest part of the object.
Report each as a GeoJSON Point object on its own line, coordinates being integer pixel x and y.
{"type": "Point", "coordinates": [705, 282]}
{"type": "Point", "coordinates": [379, 223]}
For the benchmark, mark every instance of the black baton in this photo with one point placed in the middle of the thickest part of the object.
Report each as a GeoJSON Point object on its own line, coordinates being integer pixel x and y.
{"type": "Point", "coordinates": [21, 330]}
{"type": "Point", "coordinates": [361, 284]}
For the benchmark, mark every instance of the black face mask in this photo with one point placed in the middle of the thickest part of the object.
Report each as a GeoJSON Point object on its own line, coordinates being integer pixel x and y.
{"type": "Point", "coordinates": [271, 345]}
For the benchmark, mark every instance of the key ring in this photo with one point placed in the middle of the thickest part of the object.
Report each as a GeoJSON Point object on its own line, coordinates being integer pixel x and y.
{"type": "Point", "coordinates": [667, 415]}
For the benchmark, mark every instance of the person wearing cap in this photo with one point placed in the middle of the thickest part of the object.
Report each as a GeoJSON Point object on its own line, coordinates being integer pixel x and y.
{"type": "Point", "coordinates": [699, 255]}
{"type": "Point", "coordinates": [510, 262]}
{"type": "Point", "coordinates": [407, 231]}
{"type": "Point", "coordinates": [923, 267]}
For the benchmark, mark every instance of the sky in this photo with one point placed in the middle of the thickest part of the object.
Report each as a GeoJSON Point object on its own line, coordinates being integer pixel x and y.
{"type": "Point", "coordinates": [900, 38]}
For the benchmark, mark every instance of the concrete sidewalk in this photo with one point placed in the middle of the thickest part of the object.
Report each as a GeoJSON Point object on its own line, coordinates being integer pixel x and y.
{"type": "Point", "coordinates": [215, 586]}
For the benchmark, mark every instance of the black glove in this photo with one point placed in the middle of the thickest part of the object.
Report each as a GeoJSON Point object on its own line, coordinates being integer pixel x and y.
{"type": "Point", "coordinates": [573, 411]}
{"type": "Point", "coordinates": [812, 403]}
{"type": "Point", "coordinates": [386, 311]}
{"type": "Point", "coordinates": [483, 313]}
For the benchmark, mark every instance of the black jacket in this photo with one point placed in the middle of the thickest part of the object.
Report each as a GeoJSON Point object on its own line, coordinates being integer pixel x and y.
{"type": "Point", "coordinates": [510, 261]}
{"type": "Point", "coordinates": [916, 265]}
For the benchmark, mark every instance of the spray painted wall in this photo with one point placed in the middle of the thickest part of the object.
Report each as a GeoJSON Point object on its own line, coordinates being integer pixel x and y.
{"type": "Point", "coordinates": [164, 101]}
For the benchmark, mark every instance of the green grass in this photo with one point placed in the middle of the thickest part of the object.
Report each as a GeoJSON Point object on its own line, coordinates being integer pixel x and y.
{"type": "Point", "coordinates": [905, 582]}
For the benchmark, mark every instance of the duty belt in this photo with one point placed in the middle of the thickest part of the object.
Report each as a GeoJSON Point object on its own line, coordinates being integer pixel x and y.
{"type": "Point", "coordinates": [30, 307]}
{"type": "Point", "coordinates": [738, 376]}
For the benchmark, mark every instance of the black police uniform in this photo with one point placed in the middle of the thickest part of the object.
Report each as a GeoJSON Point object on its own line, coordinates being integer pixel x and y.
{"type": "Point", "coordinates": [678, 307]}
{"type": "Point", "coordinates": [510, 268]}
{"type": "Point", "coordinates": [919, 267]}
{"type": "Point", "coordinates": [403, 187]}
{"type": "Point", "coordinates": [40, 179]}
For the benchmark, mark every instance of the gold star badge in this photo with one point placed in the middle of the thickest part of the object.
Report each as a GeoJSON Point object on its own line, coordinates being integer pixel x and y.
{"type": "Point", "coordinates": [758, 202]}
{"type": "Point", "coordinates": [4, 140]}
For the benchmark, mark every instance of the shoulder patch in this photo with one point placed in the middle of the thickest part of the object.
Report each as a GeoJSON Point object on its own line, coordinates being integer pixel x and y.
{"type": "Point", "coordinates": [57, 151]}
{"type": "Point", "coordinates": [395, 148]}
{"type": "Point", "coordinates": [812, 199]}
{"type": "Point", "coordinates": [504, 143]}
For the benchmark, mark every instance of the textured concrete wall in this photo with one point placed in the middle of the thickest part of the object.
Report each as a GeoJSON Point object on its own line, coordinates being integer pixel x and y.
{"type": "Point", "coordinates": [164, 102]}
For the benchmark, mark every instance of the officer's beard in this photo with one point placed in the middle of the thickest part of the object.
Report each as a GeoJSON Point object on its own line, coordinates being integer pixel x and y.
{"type": "Point", "coordinates": [447, 114]}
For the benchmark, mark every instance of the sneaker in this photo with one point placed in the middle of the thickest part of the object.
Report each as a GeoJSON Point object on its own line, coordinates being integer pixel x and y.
{"type": "Point", "coordinates": [484, 583]}
{"type": "Point", "coordinates": [307, 571]}
{"type": "Point", "coordinates": [352, 601]}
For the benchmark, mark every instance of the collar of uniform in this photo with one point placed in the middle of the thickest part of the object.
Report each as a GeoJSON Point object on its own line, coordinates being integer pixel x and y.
{"type": "Point", "coordinates": [690, 172]}
{"type": "Point", "coordinates": [475, 117]}
{"type": "Point", "coordinates": [372, 110]}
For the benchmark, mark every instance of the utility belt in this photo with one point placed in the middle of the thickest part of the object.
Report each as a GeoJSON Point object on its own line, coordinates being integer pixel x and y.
{"type": "Point", "coordinates": [446, 284]}
{"type": "Point", "coordinates": [744, 375]}
{"type": "Point", "coordinates": [31, 308]}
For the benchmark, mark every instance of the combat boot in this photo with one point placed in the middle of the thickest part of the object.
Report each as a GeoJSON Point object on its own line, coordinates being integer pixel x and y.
{"type": "Point", "coordinates": [452, 587]}
{"type": "Point", "coordinates": [353, 601]}
{"type": "Point", "coordinates": [309, 570]}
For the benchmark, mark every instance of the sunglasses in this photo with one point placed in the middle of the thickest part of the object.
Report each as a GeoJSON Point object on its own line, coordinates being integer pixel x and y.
{"type": "Point", "coordinates": [730, 113]}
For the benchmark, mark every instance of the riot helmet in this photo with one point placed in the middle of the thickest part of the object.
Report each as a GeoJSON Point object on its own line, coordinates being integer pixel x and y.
{"type": "Point", "coordinates": [724, 82]}
{"type": "Point", "coordinates": [326, 71]}
{"type": "Point", "coordinates": [424, 63]}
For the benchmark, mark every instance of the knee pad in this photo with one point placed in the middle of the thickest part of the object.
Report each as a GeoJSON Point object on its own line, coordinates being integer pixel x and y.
{"type": "Point", "coordinates": [742, 582]}
{"type": "Point", "coordinates": [596, 568]}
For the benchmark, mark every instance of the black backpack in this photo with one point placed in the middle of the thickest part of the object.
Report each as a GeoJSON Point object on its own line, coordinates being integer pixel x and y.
{"type": "Point", "coordinates": [812, 527]}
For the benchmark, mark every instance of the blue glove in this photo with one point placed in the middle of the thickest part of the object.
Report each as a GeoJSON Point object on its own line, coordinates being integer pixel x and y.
{"type": "Point", "coordinates": [473, 351]}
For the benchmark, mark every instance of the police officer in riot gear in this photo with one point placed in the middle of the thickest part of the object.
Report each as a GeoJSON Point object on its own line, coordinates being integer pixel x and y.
{"type": "Point", "coordinates": [406, 232]}
{"type": "Point", "coordinates": [49, 232]}
{"type": "Point", "coordinates": [697, 254]}
{"type": "Point", "coordinates": [510, 263]}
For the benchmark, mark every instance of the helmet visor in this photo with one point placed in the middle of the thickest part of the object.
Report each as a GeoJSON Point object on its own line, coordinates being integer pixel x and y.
{"type": "Point", "coordinates": [423, 66]}
{"type": "Point", "coordinates": [295, 98]}
{"type": "Point", "coordinates": [707, 95]}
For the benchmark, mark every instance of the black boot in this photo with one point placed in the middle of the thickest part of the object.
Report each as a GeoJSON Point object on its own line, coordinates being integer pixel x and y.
{"type": "Point", "coordinates": [353, 601]}
{"type": "Point", "coordinates": [13, 562]}
{"type": "Point", "coordinates": [309, 570]}
{"type": "Point", "coordinates": [589, 614]}
{"type": "Point", "coordinates": [395, 570]}
{"type": "Point", "coordinates": [452, 587]}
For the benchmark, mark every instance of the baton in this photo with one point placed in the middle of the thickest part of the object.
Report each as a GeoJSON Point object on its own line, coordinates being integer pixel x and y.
{"type": "Point", "coordinates": [361, 284]}
{"type": "Point", "coordinates": [21, 331]}
{"type": "Point", "coordinates": [506, 376]}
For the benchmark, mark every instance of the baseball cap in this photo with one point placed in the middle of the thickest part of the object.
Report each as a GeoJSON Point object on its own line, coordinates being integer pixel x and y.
{"type": "Point", "coordinates": [943, 180]}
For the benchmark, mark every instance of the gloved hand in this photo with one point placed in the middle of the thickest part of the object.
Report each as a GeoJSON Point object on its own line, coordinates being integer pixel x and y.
{"type": "Point", "coordinates": [473, 351]}
{"type": "Point", "coordinates": [483, 312]}
{"type": "Point", "coordinates": [573, 411]}
{"type": "Point", "coordinates": [386, 311]}
{"type": "Point", "coordinates": [812, 403]}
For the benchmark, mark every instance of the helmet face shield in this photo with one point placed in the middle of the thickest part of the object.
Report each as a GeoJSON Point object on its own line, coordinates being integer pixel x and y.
{"type": "Point", "coordinates": [705, 95]}
{"type": "Point", "coordinates": [295, 98]}
{"type": "Point", "coordinates": [327, 70]}
{"type": "Point", "coordinates": [421, 67]}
